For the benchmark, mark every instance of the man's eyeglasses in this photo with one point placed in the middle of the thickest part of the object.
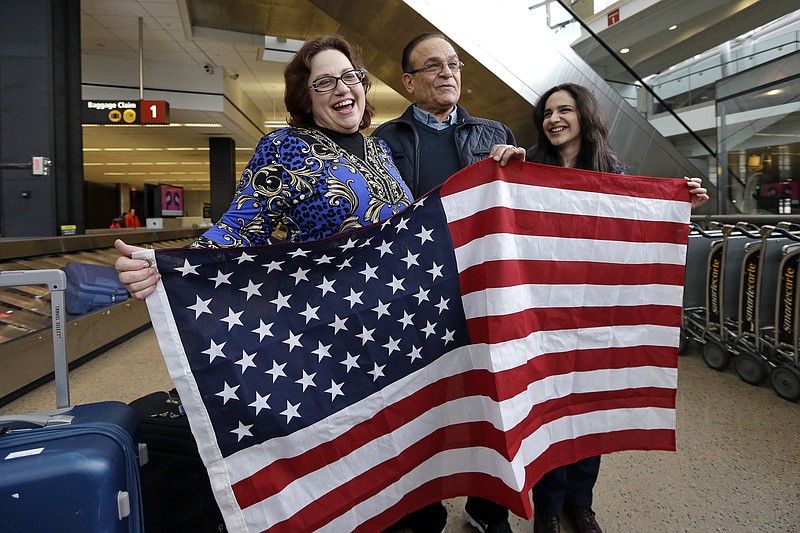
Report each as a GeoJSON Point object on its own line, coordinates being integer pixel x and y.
{"type": "Point", "coordinates": [325, 84]}
{"type": "Point", "coordinates": [436, 68]}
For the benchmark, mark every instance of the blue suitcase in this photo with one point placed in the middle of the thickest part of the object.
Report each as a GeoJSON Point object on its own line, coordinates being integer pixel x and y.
{"type": "Point", "coordinates": [92, 287]}
{"type": "Point", "coordinates": [74, 469]}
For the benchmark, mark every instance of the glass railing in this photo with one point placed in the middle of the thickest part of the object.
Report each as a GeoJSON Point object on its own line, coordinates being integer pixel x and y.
{"type": "Point", "coordinates": [692, 82]}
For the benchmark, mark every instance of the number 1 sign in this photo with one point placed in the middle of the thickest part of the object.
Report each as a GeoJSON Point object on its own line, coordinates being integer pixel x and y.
{"type": "Point", "coordinates": [153, 112]}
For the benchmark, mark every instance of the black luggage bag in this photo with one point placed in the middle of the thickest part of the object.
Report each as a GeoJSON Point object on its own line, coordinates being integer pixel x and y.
{"type": "Point", "coordinates": [176, 491]}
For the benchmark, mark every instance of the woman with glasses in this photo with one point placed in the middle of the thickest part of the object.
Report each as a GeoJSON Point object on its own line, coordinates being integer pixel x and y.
{"type": "Point", "coordinates": [318, 177]}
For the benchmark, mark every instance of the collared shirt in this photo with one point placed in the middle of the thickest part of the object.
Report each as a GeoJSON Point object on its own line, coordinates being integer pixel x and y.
{"type": "Point", "coordinates": [429, 120]}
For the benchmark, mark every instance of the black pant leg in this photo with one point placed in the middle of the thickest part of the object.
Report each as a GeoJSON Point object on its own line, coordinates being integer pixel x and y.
{"type": "Point", "coordinates": [549, 492]}
{"type": "Point", "coordinates": [486, 510]}
{"type": "Point", "coordinates": [582, 476]}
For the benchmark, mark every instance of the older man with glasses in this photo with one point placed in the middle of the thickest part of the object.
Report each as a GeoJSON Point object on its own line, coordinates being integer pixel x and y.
{"type": "Point", "coordinates": [433, 139]}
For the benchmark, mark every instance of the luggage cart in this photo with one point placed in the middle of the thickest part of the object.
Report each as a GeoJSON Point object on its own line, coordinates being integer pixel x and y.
{"type": "Point", "coordinates": [715, 325]}
{"type": "Point", "coordinates": [753, 344]}
{"type": "Point", "coordinates": [785, 377]}
{"type": "Point", "coordinates": [694, 289]}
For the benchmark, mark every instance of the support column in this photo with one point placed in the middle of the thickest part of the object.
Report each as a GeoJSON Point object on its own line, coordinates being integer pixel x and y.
{"type": "Point", "coordinates": [222, 167]}
{"type": "Point", "coordinates": [40, 101]}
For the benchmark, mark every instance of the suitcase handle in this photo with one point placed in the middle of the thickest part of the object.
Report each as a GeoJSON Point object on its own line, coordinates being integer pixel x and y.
{"type": "Point", "coordinates": [56, 281]}
{"type": "Point", "coordinates": [40, 420]}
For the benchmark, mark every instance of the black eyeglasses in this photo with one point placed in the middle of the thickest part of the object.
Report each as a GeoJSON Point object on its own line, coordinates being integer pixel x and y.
{"type": "Point", "coordinates": [325, 84]}
{"type": "Point", "coordinates": [436, 68]}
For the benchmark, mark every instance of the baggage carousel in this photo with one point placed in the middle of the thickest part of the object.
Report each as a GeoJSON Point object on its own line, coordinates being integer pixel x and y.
{"type": "Point", "coordinates": [26, 358]}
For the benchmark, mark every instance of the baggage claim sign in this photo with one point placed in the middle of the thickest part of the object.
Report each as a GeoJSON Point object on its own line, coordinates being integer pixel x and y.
{"type": "Point", "coordinates": [125, 112]}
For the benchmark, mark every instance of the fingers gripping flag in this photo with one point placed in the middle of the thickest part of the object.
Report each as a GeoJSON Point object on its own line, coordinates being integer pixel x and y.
{"type": "Point", "coordinates": [515, 319]}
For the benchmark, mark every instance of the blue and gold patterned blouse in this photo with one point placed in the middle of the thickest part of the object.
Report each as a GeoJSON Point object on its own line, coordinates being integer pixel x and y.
{"type": "Point", "coordinates": [300, 185]}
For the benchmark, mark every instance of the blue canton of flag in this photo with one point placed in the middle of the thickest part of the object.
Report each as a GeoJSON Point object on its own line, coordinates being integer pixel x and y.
{"type": "Point", "coordinates": [306, 330]}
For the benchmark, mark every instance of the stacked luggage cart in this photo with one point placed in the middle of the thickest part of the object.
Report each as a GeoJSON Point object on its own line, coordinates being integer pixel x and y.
{"type": "Point", "coordinates": [741, 301]}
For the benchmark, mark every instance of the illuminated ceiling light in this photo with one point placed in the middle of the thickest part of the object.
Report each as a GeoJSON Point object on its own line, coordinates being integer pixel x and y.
{"type": "Point", "coordinates": [280, 49]}
{"type": "Point", "coordinates": [275, 124]}
{"type": "Point", "coordinates": [179, 149]}
{"type": "Point", "coordinates": [753, 161]}
{"type": "Point", "coordinates": [773, 92]}
{"type": "Point", "coordinates": [202, 125]}
{"type": "Point", "coordinates": [118, 149]}
{"type": "Point", "coordinates": [624, 50]}
{"type": "Point", "coordinates": [92, 149]}
{"type": "Point", "coordinates": [673, 27]}
{"type": "Point", "coordinates": [149, 149]}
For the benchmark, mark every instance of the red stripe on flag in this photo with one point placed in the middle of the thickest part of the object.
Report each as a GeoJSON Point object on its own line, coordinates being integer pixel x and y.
{"type": "Point", "coordinates": [510, 273]}
{"type": "Point", "coordinates": [573, 179]}
{"type": "Point", "coordinates": [568, 452]}
{"type": "Point", "coordinates": [511, 382]}
{"type": "Point", "coordinates": [543, 224]}
{"type": "Point", "coordinates": [501, 328]}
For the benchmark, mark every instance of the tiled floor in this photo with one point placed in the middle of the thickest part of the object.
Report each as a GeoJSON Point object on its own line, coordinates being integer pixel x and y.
{"type": "Point", "coordinates": [737, 468]}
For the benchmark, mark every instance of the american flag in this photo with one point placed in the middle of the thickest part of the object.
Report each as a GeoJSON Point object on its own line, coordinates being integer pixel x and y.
{"type": "Point", "coordinates": [513, 320]}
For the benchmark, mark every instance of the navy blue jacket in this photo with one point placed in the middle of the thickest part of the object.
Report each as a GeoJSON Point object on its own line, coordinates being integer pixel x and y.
{"type": "Point", "coordinates": [474, 138]}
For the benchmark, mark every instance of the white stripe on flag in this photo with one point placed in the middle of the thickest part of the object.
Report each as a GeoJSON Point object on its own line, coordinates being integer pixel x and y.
{"type": "Point", "coordinates": [503, 246]}
{"type": "Point", "coordinates": [507, 300]}
{"type": "Point", "coordinates": [552, 200]}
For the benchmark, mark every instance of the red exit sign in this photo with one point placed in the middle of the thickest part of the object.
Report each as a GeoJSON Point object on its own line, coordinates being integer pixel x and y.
{"type": "Point", "coordinates": [153, 112]}
{"type": "Point", "coordinates": [613, 17]}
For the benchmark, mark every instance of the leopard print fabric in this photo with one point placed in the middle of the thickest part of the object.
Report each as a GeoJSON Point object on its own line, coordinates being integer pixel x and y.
{"type": "Point", "coordinates": [301, 186]}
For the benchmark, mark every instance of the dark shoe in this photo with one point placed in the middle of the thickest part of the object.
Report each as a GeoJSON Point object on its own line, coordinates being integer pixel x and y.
{"type": "Point", "coordinates": [584, 519]}
{"type": "Point", "coordinates": [430, 519]}
{"type": "Point", "coordinates": [482, 525]}
{"type": "Point", "coordinates": [546, 524]}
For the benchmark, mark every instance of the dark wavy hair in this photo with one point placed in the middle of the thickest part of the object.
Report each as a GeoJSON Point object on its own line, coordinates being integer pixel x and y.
{"type": "Point", "coordinates": [595, 153]}
{"type": "Point", "coordinates": [296, 95]}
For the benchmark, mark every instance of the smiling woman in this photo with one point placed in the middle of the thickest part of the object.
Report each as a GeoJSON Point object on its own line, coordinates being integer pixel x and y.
{"type": "Point", "coordinates": [316, 178]}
